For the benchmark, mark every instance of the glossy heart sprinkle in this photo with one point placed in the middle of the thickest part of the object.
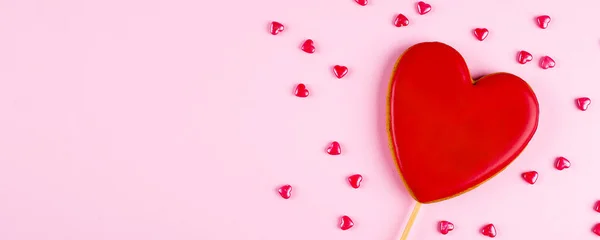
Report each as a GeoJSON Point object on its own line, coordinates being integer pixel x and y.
{"type": "Point", "coordinates": [444, 227]}
{"type": "Point", "coordinates": [355, 180]}
{"type": "Point", "coordinates": [583, 103]}
{"type": "Point", "coordinates": [481, 33]}
{"type": "Point", "coordinates": [362, 2]}
{"type": "Point", "coordinates": [308, 46]}
{"type": "Point", "coordinates": [423, 8]}
{"type": "Point", "coordinates": [340, 71]}
{"type": "Point", "coordinates": [543, 21]}
{"type": "Point", "coordinates": [401, 21]}
{"type": "Point", "coordinates": [346, 223]}
{"type": "Point", "coordinates": [597, 206]}
{"type": "Point", "coordinates": [596, 229]}
{"type": "Point", "coordinates": [285, 191]}
{"type": "Point", "coordinates": [334, 148]}
{"type": "Point", "coordinates": [489, 230]}
{"type": "Point", "coordinates": [524, 57]}
{"type": "Point", "coordinates": [276, 28]}
{"type": "Point", "coordinates": [530, 177]}
{"type": "Point", "coordinates": [547, 62]}
{"type": "Point", "coordinates": [562, 163]}
{"type": "Point", "coordinates": [301, 91]}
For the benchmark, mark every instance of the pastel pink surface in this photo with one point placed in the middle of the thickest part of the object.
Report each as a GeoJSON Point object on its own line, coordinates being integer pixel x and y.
{"type": "Point", "coordinates": [174, 119]}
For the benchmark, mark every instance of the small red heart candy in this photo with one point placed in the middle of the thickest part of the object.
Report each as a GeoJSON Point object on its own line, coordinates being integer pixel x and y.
{"type": "Point", "coordinates": [547, 62]}
{"type": "Point", "coordinates": [285, 191]}
{"type": "Point", "coordinates": [362, 2]}
{"type": "Point", "coordinates": [276, 28]}
{"type": "Point", "coordinates": [597, 206]}
{"type": "Point", "coordinates": [562, 163]}
{"type": "Point", "coordinates": [530, 177]}
{"type": "Point", "coordinates": [308, 46]}
{"type": "Point", "coordinates": [355, 180]}
{"type": "Point", "coordinates": [334, 148]}
{"type": "Point", "coordinates": [481, 33]}
{"type": "Point", "coordinates": [543, 21]}
{"type": "Point", "coordinates": [524, 57]}
{"type": "Point", "coordinates": [583, 103]}
{"type": "Point", "coordinates": [401, 21]}
{"type": "Point", "coordinates": [423, 8]}
{"type": "Point", "coordinates": [489, 230]}
{"type": "Point", "coordinates": [340, 71]}
{"type": "Point", "coordinates": [596, 229]}
{"type": "Point", "coordinates": [346, 223]}
{"type": "Point", "coordinates": [301, 91]}
{"type": "Point", "coordinates": [445, 227]}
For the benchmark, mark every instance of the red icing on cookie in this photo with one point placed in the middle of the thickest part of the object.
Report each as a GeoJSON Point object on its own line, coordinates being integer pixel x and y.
{"type": "Point", "coordinates": [481, 33]}
{"type": "Point", "coordinates": [401, 21]}
{"type": "Point", "coordinates": [530, 177]}
{"type": "Point", "coordinates": [308, 46]}
{"type": "Point", "coordinates": [355, 180]}
{"type": "Point", "coordinates": [301, 91]}
{"type": "Point", "coordinates": [346, 223]}
{"type": "Point", "coordinates": [489, 230]}
{"type": "Point", "coordinates": [340, 71]}
{"type": "Point", "coordinates": [444, 227]}
{"type": "Point", "coordinates": [334, 148]}
{"type": "Point", "coordinates": [583, 103]}
{"type": "Point", "coordinates": [543, 21]}
{"type": "Point", "coordinates": [285, 191]}
{"type": "Point", "coordinates": [524, 57]}
{"type": "Point", "coordinates": [449, 133]}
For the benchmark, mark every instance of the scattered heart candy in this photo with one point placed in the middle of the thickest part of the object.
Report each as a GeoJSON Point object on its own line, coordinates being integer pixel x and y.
{"type": "Point", "coordinates": [489, 230]}
{"type": "Point", "coordinates": [334, 148]}
{"type": "Point", "coordinates": [562, 163]}
{"type": "Point", "coordinates": [362, 2]}
{"type": "Point", "coordinates": [308, 46]}
{"type": "Point", "coordinates": [444, 227]}
{"type": "Point", "coordinates": [340, 71]}
{"type": "Point", "coordinates": [301, 91]}
{"type": "Point", "coordinates": [355, 180]}
{"type": "Point", "coordinates": [543, 21]}
{"type": "Point", "coordinates": [423, 8]}
{"type": "Point", "coordinates": [346, 223]}
{"type": "Point", "coordinates": [530, 177]}
{"type": "Point", "coordinates": [596, 229]}
{"type": "Point", "coordinates": [285, 191]}
{"type": "Point", "coordinates": [583, 103]}
{"type": "Point", "coordinates": [481, 33]}
{"type": "Point", "coordinates": [524, 57]}
{"type": "Point", "coordinates": [401, 21]}
{"type": "Point", "coordinates": [547, 62]}
{"type": "Point", "coordinates": [276, 28]}
{"type": "Point", "coordinates": [597, 206]}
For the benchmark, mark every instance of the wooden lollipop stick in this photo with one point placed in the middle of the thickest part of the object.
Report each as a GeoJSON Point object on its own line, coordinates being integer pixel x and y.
{"type": "Point", "coordinates": [411, 220]}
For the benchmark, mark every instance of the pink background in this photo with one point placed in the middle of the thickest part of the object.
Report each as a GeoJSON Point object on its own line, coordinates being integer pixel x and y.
{"type": "Point", "coordinates": [175, 119]}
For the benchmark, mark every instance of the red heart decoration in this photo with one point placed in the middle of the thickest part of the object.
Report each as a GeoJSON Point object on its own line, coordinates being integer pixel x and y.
{"type": "Point", "coordinates": [334, 148]}
{"type": "Point", "coordinates": [543, 21]}
{"type": "Point", "coordinates": [489, 230]}
{"type": "Point", "coordinates": [445, 227]}
{"type": "Point", "coordinates": [596, 229]}
{"type": "Point", "coordinates": [285, 191]}
{"type": "Point", "coordinates": [450, 133]}
{"type": "Point", "coordinates": [547, 62]}
{"type": "Point", "coordinates": [308, 46]}
{"type": "Point", "coordinates": [583, 103]}
{"type": "Point", "coordinates": [401, 21]}
{"type": "Point", "coordinates": [524, 57]}
{"type": "Point", "coordinates": [346, 223]}
{"type": "Point", "coordinates": [530, 177]}
{"type": "Point", "coordinates": [562, 163]}
{"type": "Point", "coordinates": [301, 91]}
{"type": "Point", "coordinates": [340, 71]}
{"type": "Point", "coordinates": [423, 8]}
{"type": "Point", "coordinates": [362, 2]}
{"type": "Point", "coordinates": [276, 27]}
{"type": "Point", "coordinates": [355, 180]}
{"type": "Point", "coordinates": [481, 33]}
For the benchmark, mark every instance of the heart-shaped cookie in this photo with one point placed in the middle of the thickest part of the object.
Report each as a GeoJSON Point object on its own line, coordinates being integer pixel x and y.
{"type": "Point", "coordinates": [450, 133]}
